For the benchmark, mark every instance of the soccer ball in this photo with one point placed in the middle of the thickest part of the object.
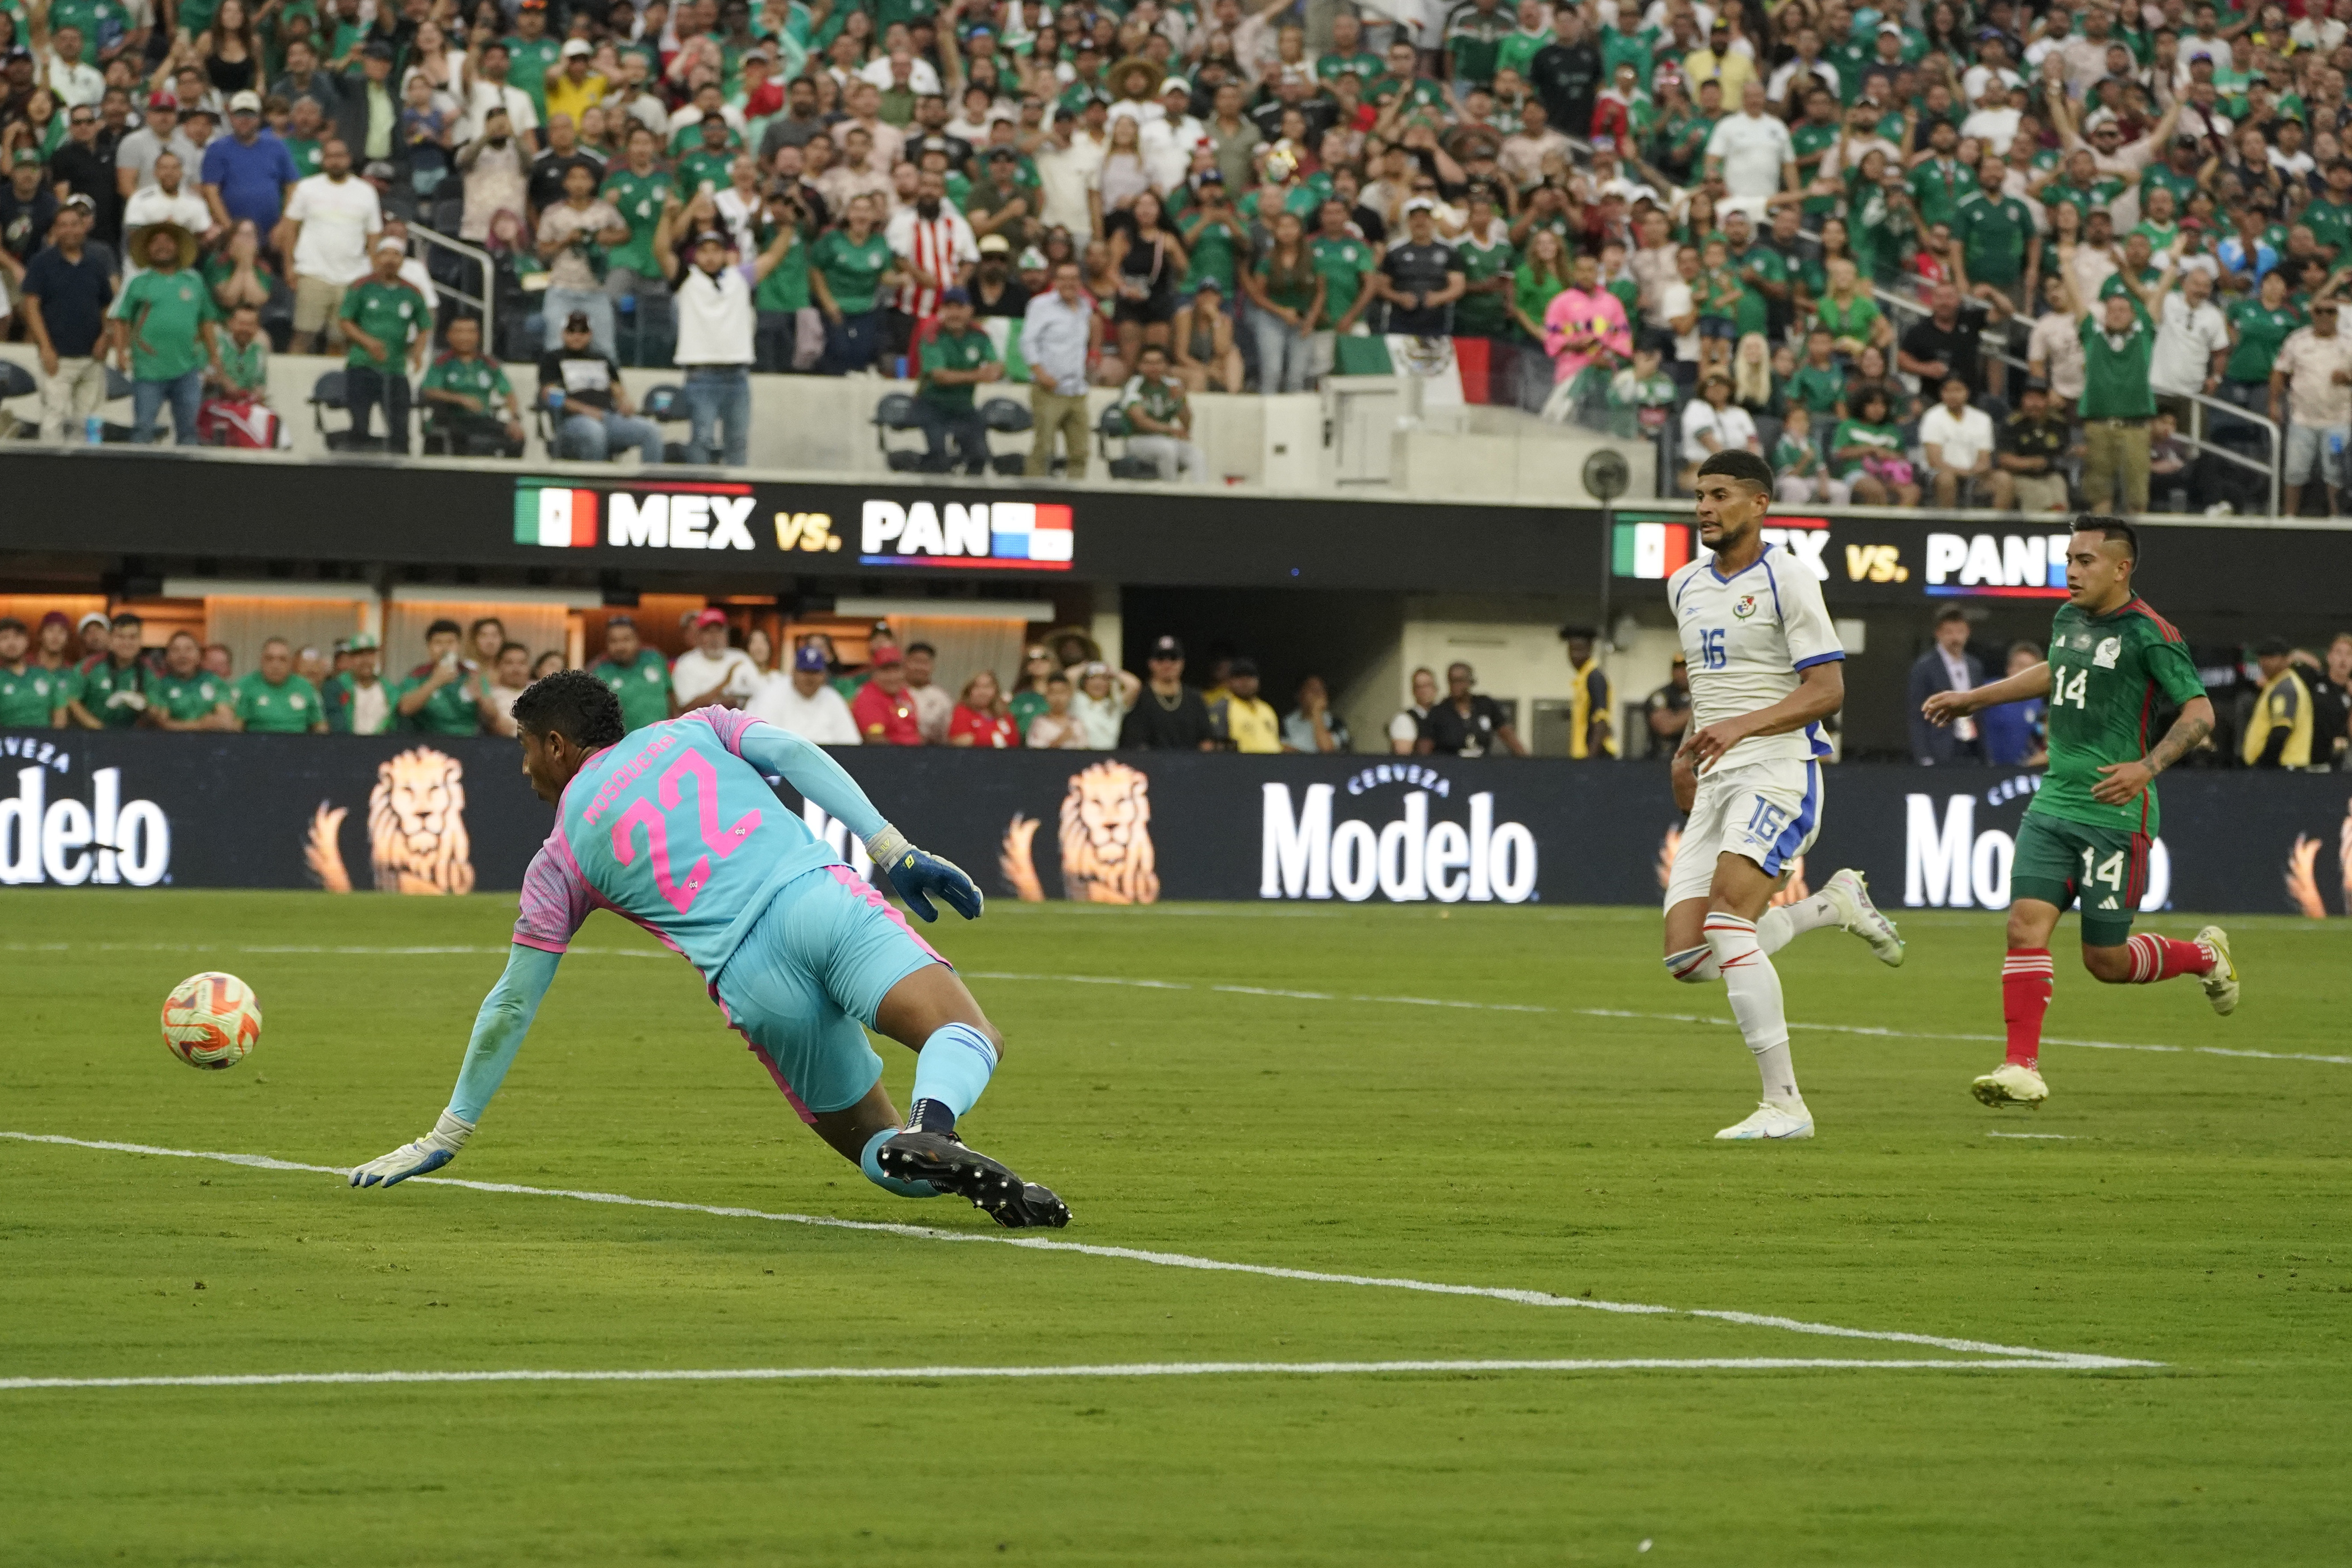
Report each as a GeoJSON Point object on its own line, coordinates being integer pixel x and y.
{"type": "Point", "coordinates": [211, 1020]}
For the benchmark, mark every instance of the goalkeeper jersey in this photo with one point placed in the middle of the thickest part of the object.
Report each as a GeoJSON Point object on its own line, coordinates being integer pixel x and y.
{"type": "Point", "coordinates": [2108, 675]}
{"type": "Point", "coordinates": [670, 827]}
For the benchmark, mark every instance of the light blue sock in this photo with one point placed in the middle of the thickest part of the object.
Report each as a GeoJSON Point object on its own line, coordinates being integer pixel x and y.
{"type": "Point", "coordinates": [873, 1169]}
{"type": "Point", "coordinates": [950, 1073]}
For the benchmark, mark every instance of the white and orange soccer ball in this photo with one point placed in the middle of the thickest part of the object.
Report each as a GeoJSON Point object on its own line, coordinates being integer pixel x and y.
{"type": "Point", "coordinates": [211, 1020]}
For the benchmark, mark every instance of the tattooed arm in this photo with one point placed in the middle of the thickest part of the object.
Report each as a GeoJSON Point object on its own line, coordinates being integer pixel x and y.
{"type": "Point", "coordinates": [2124, 781]}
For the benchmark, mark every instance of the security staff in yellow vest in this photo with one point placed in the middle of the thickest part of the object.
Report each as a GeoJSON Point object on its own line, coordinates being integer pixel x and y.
{"type": "Point", "coordinates": [1589, 732]}
{"type": "Point", "coordinates": [2278, 731]}
{"type": "Point", "coordinates": [1241, 718]}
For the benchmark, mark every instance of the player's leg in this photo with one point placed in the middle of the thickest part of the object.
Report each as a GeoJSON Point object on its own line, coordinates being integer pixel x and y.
{"type": "Point", "coordinates": [2116, 956]}
{"type": "Point", "coordinates": [1770, 814]}
{"type": "Point", "coordinates": [2043, 878]}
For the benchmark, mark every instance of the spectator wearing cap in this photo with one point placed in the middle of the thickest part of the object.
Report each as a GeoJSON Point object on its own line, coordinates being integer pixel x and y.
{"type": "Point", "coordinates": [331, 219]}
{"type": "Point", "coordinates": [637, 675]}
{"type": "Point", "coordinates": [717, 322]}
{"type": "Point", "coordinates": [1160, 417]}
{"type": "Point", "coordinates": [167, 198]}
{"type": "Point", "coordinates": [535, 51]}
{"type": "Point", "coordinates": [468, 397]}
{"type": "Point", "coordinates": [883, 709]}
{"type": "Point", "coordinates": [357, 698]}
{"type": "Point", "coordinates": [934, 706]}
{"type": "Point", "coordinates": [83, 166]}
{"type": "Point", "coordinates": [995, 289]}
{"type": "Point", "coordinates": [1420, 278]}
{"type": "Point", "coordinates": [439, 696]}
{"type": "Point", "coordinates": [801, 701]}
{"type": "Point", "coordinates": [1202, 334]}
{"type": "Point", "coordinates": [166, 333]}
{"type": "Point", "coordinates": [954, 360]}
{"type": "Point", "coordinates": [95, 632]}
{"type": "Point", "coordinates": [66, 288]}
{"type": "Point", "coordinates": [29, 204]}
{"type": "Point", "coordinates": [275, 701]}
{"type": "Point", "coordinates": [367, 115]}
{"type": "Point", "coordinates": [999, 206]}
{"type": "Point", "coordinates": [389, 328]}
{"type": "Point", "coordinates": [1167, 715]}
{"type": "Point", "coordinates": [574, 86]}
{"type": "Point", "coordinates": [1172, 133]}
{"type": "Point", "coordinates": [248, 173]}
{"type": "Point", "coordinates": [1058, 332]}
{"type": "Point", "coordinates": [1242, 719]}
{"type": "Point", "coordinates": [2029, 459]}
{"type": "Point", "coordinates": [711, 673]}
{"type": "Point", "coordinates": [570, 235]}
{"type": "Point", "coordinates": [2280, 724]}
{"type": "Point", "coordinates": [135, 154]}
{"type": "Point", "coordinates": [581, 389]}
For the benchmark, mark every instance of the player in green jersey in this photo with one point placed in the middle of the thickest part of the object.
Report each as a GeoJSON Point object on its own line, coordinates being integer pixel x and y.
{"type": "Point", "coordinates": [2113, 661]}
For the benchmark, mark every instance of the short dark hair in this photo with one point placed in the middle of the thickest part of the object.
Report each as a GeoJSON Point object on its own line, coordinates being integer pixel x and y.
{"type": "Point", "coordinates": [11, 623]}
{"type": "Point", "coordinates": [1949, 614]}
{"type": "Point", "coordinates": [2113, 528]}
{"type": "Point", "coordinates": [444, 625]}
{"type": "Point", "coordinates": [506, 648]}
{"type": "Point", "coordinates": [915, 648]}
{"type": "Point", "coordinates": [126, 618]}
{"type": "Point", "coordinates": [476, 629]}
{"type": "Point", "coordinates": [574, 704]}
{"type": "Point", "coordinates": [1745, 467]}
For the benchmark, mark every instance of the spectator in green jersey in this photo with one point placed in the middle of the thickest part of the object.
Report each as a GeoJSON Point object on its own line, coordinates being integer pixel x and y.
{"type": "Point", "coordinates": [164, 333]}
{"type": "Point", "coordinates": [639, 675]}
{"type": "Point", "coordinates": [468, 398]}
{"type": "Point", "coordinates": [29, 691]}
{"type": "Point", "coordinates": [956, 359]}
{"type": "Point", "coordinates": [439, 697]}
{"type": "Point", "coordinates": [359, 700]}
{"type": "Point", "coordinates": [184, 695]}
{"type": "Point", "coordinates": [389, 327]}
{"type": "Point", "coordinates": [112, 686]}
{"type": "Point", "coordinates": [273, 700]}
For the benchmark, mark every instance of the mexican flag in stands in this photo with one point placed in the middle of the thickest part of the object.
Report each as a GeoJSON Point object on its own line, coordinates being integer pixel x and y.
{"type": "Point", "coordinates": [1454, 371]}
{"type": "Point", "coordinates": [1005, 332]}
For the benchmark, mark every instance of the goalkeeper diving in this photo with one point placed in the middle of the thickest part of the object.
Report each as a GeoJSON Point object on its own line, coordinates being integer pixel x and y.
{"type": "Point", "coordinates": [675, 826]}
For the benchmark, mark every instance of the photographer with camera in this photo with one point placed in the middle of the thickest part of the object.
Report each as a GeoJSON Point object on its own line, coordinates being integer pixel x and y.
{"type": "Point", "coordinates": [571, 237]}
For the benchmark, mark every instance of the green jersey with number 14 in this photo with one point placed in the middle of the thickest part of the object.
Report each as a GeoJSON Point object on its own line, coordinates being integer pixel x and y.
{"type": "Point", "coordinates": [2108, 675]}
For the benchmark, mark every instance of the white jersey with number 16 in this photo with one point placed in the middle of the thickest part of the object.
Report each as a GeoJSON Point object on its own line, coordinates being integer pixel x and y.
{"type": "Point", "coordinates": [1746, 638]}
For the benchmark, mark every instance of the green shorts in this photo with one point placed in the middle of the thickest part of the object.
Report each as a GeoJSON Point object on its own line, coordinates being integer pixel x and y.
{"type": "Point", "coordinates": [2058, 860]}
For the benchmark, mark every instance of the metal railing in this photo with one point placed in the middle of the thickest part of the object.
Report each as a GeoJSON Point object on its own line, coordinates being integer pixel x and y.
{"type": "Point", "coordinates": [481, 260]}
{"type": "Point", "coordinates": [1900, 304]}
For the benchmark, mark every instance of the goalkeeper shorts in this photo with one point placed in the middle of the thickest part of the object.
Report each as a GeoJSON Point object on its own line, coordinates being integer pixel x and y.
{"type": "Point", "coordinates": [806, 982]}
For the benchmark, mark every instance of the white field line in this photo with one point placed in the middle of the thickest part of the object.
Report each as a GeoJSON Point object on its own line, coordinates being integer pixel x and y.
{"type": "Point", "coordinates": [2061, 1137]}
{"type": "Point", "coordinates": [1114, 1369]}
{"type": "Point", "coordinates": [2070, 1359]}
{"type": "Point", "coordinates": [1120, 979]}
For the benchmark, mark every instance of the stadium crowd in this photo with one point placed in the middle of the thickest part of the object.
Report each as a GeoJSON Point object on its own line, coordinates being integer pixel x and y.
{"type": "Point", "coordinates": [2278, 707]}
{"type": "Point", "coordinates": [1675, 220]}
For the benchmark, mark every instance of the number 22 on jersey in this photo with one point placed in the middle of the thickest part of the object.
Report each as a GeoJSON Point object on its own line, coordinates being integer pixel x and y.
{"type": "Point", "coordinates": [642, 813]}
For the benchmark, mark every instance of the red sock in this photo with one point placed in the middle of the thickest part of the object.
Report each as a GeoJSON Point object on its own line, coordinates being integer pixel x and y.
{"type": "Point", "coordinates": [2156, 958]}
{"type": "Point", "coordinates": [2026, 977]}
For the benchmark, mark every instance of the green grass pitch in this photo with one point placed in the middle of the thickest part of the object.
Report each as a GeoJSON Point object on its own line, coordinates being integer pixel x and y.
{"type": "Point", "coordinates": [2183, 1208]}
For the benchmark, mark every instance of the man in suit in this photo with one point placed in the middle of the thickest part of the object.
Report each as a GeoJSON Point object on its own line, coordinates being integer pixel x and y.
{"type": "Point", "coordinates": [1946, 666]}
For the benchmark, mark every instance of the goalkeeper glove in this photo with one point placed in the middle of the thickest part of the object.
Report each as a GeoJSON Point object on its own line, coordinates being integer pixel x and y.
{"type": "Point", "coordinates": [430, 1152]}
{"type": "Point", "coordinates": [916, 876]}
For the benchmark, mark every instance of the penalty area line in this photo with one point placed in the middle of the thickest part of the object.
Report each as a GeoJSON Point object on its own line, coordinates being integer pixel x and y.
{"type": "Point", "coordinates": [2079, 1361]}
{"type": "Point", "coordinates": [1114, 1369]}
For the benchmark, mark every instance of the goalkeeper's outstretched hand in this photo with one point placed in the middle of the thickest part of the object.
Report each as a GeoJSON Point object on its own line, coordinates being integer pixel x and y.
{"type": "Point", "coordinates": [430, 1152]}
{"type": "Point", "coordinates": [918, 875]}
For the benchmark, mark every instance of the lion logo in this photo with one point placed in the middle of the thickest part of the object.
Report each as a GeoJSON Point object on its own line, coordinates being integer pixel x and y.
{"type": "Point", "coordinates": [416, 825]}
{"type": "Point", "coordinates": [1107, 854]}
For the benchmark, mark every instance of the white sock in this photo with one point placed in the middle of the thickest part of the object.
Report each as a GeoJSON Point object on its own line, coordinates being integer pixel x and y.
{"type": "Point", "coordinates": [1754, 989]}
{"type": "Point", "coordinates": [1777, 927]}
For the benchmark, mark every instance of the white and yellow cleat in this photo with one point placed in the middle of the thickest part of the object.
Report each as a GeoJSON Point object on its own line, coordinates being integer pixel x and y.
{"type": "Point", "coordinates": [1772, 1122]}
{"type": "Point", "coordinates": [2009, 1084]}
{"type": "Point", "coordinates": [1849, 893]}
{"type": "Point", "coordinates": [2221, 981]}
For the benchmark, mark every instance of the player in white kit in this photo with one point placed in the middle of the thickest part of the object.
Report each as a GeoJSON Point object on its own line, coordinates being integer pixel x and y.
{"type": "Point", "coordinates": [1765, 669]}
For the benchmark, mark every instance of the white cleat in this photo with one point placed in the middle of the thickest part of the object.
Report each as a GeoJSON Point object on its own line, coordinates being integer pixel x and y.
{"type": "Point", "coordinates": [2009, 1084]}
{"type": "Point", "coordinates": [2222, 982]}
{"type": "Point", "coordinates": [1771, 1121]}
{"type": "Point", "coordinates": [1849, 893]}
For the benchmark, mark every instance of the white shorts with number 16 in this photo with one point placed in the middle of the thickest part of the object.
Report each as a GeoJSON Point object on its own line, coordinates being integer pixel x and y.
{"type": "Point", "coordinates": [1770, 813]}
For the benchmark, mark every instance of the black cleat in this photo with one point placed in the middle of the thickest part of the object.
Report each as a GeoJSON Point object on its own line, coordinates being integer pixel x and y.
{"type": "Point", "coordinates": [941, 1158]}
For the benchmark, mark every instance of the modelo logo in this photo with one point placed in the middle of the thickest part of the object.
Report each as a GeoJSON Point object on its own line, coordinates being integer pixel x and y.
{"type": "Point", "coordinates": [108, 841]}
{"type": "Point", "coordinates": [2002, 566]}
{"type": "Point", "coordinates": [1408, 861]}
{"type": "Point", "coordinates": [1954, 866]}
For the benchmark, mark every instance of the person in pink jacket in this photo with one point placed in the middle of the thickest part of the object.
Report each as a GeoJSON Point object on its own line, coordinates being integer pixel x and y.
{"type": "Point", "coordinates": [1585, 322]}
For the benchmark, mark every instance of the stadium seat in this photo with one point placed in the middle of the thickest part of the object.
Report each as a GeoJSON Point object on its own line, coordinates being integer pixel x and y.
{"type": "Point", "coordinates": [1112, 426]}
{"type": "Point", "coordinates": [896, 412]}
{"type": "Point", "coordinates": [1004, 416]}
{"type": "Point", "coordinates": [118, 385]}
{"type": "Point", "coordinates": [665, 404]}
{"type": "Point", "coordinates": [331, 391]}
{"type": "Point", "coordinates": [15, 380]}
